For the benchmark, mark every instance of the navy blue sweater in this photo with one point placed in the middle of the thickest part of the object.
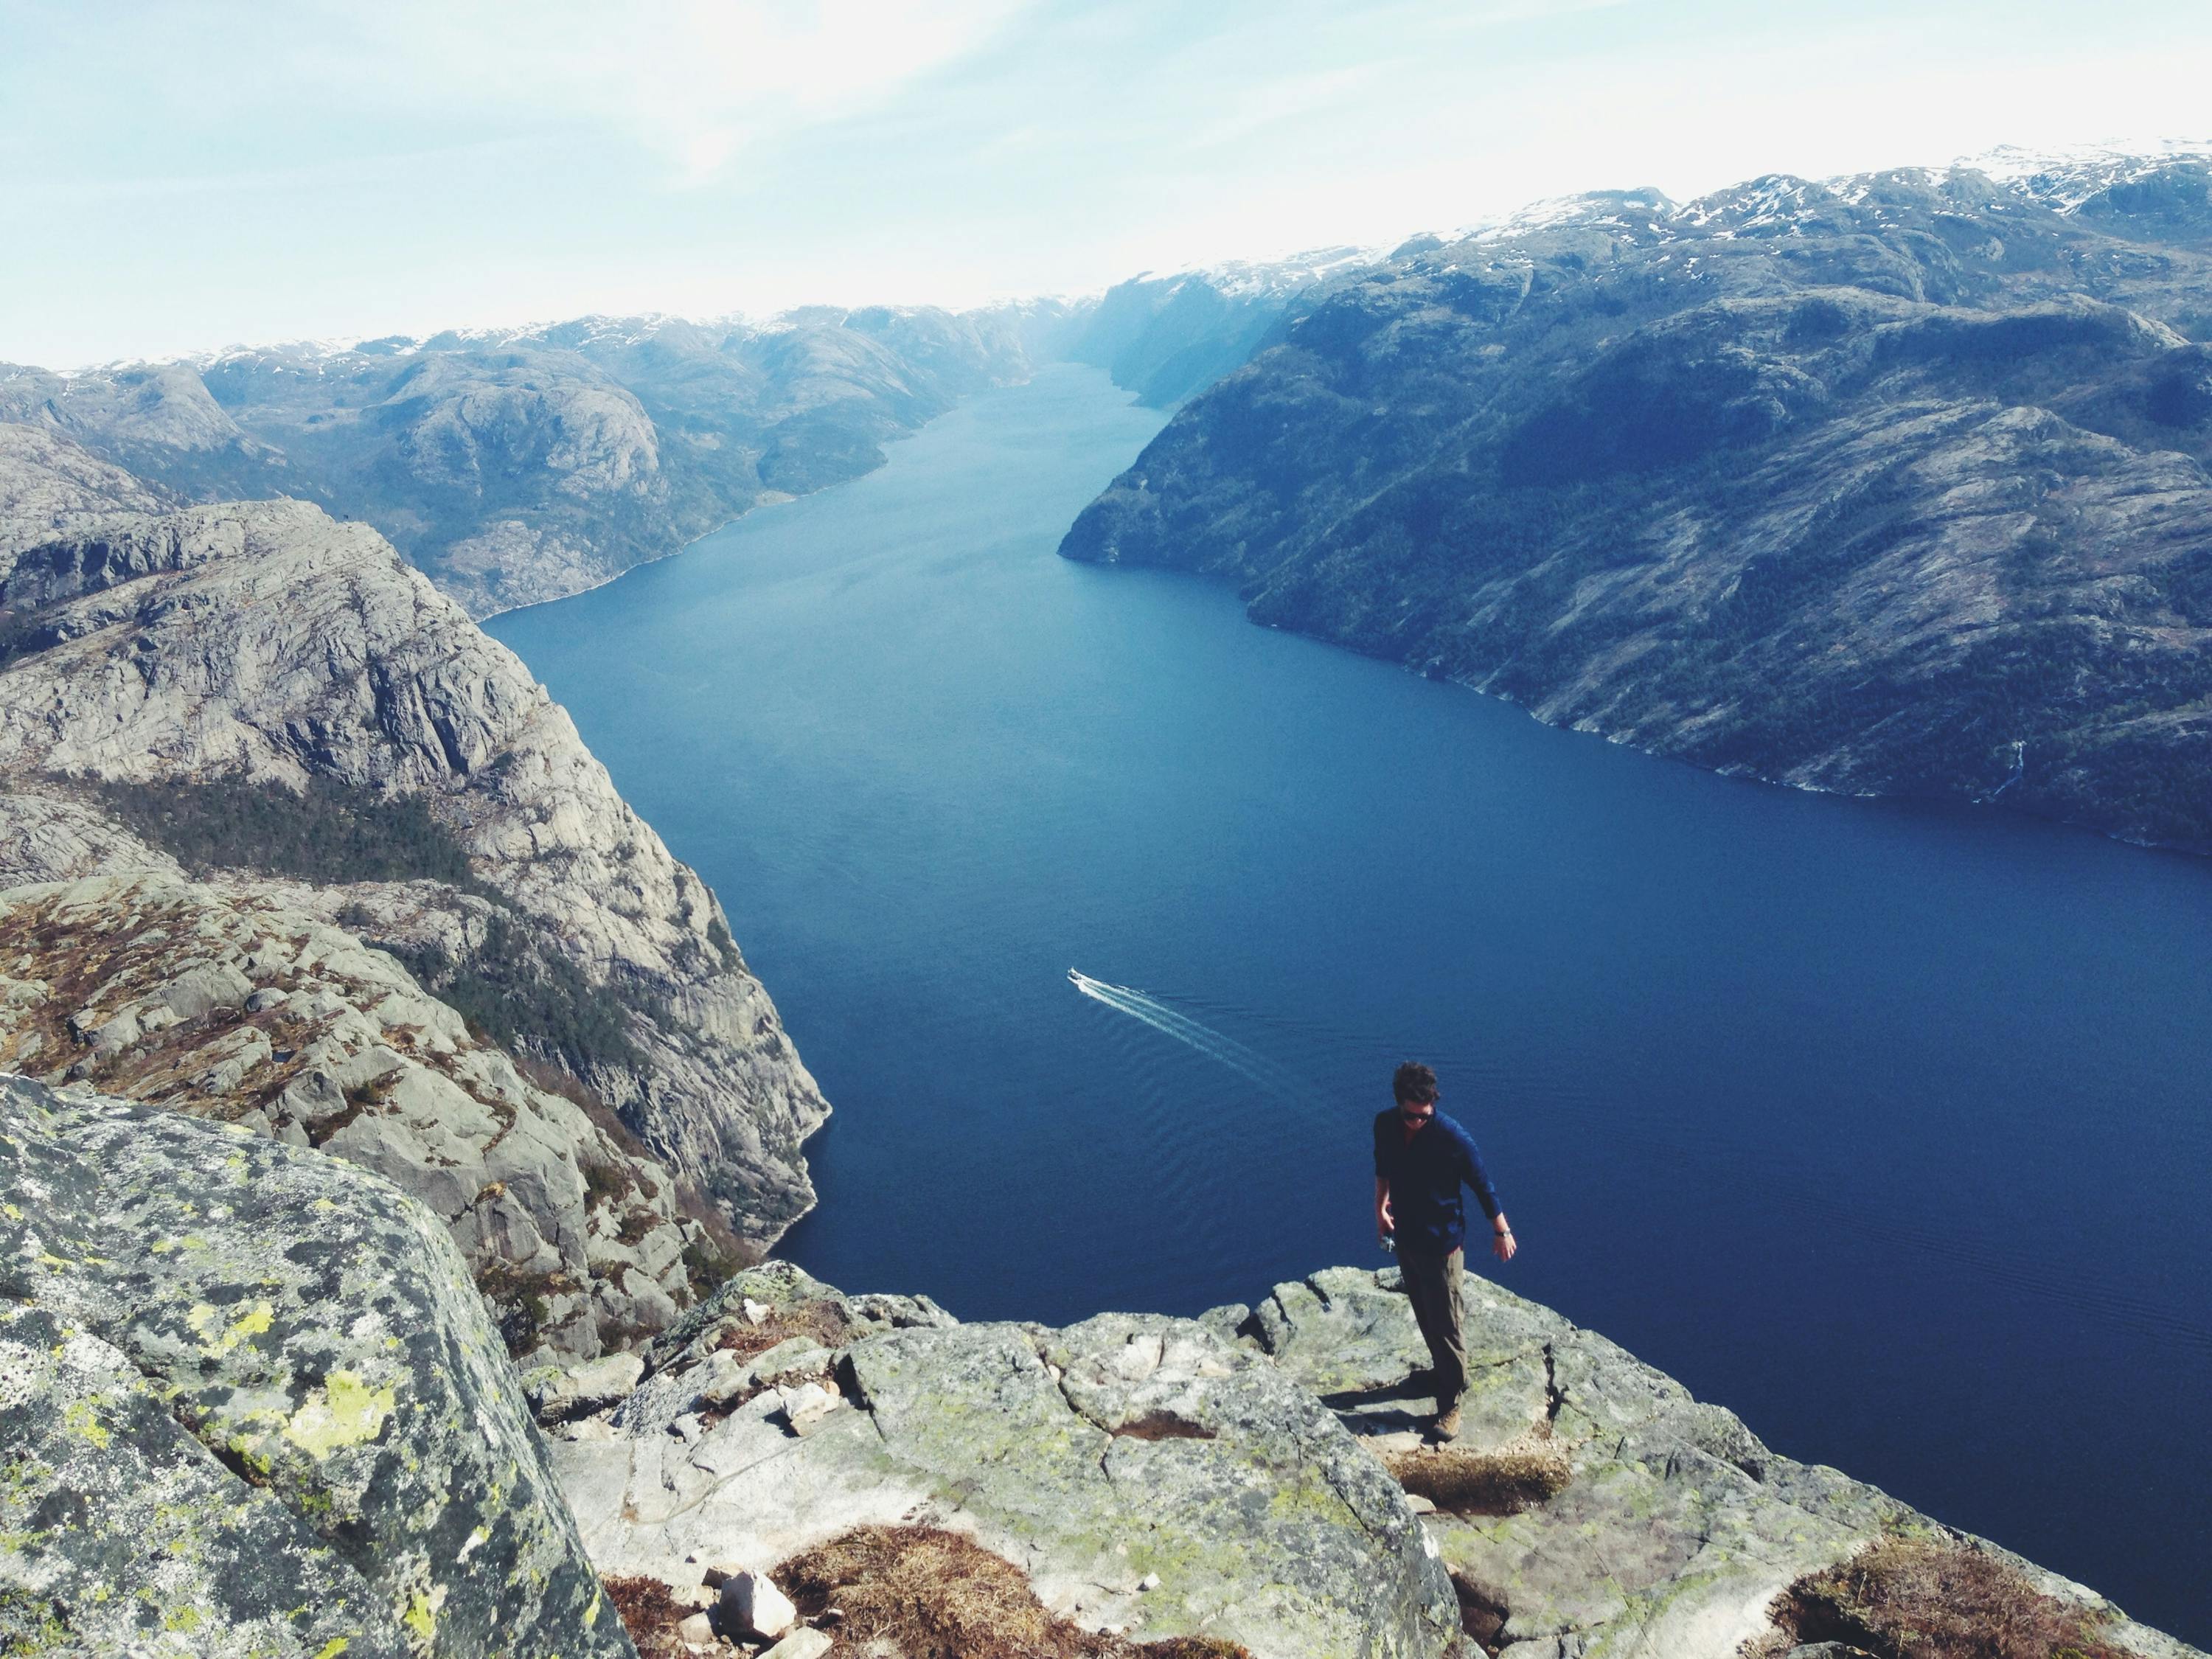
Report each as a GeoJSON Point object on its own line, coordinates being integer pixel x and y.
{"type": "Point", "coordinates": [1425, 1174]}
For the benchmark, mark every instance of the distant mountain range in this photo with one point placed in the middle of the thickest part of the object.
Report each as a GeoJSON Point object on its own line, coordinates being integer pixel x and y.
{"type": "Point", "coordinates": [1166, 336]}
{"type": "Point", "coordinates": [1894, 483]}
{"type": "Point", "coordinates": [517, 465]}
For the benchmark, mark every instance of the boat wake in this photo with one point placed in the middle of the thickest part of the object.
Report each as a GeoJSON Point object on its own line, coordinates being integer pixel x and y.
{"type": "Point", "coordinates": [1269, 1074]}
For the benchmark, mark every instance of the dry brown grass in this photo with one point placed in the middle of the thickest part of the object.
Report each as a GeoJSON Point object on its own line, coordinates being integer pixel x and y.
{"type": "Point", "coordinates": [1924, 1599]}
{"type": "Point", "coordinates": [937, 1595]}
{"type": "Point", "coordinates": [650, 1613]}
{"type": "Point", "coordinates": [825, 1321]}
{"type": "Point", "coordinates": [1465, 1482]}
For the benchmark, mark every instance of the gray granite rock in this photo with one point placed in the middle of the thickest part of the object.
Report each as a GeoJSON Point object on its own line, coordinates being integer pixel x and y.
{"type": "Point", "coordinates": [1677, 1529]}
{"type": "Point", "coordinates": [250, 1405]}
{"type": "Point", "coordinates": [558, 1393]}
{"type": "Point", "coordinates": [51, 486]}
{"type": "Point", "coordinates": [1144, 1474]}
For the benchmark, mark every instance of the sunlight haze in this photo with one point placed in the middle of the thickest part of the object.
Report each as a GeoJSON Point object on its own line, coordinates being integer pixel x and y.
{"type": "Point", "coordinates": [201, 175]}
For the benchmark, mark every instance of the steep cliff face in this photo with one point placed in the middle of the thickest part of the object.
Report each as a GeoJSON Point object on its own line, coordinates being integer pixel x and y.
{"type": "Point", "coordinates": [252, 1407]}
{"type": "Point", "coordinates": [1891, 484]}
{"type": "Point", "coordinates": [232, 654]}
{"type": "Point", "coordinates": [515, 466]}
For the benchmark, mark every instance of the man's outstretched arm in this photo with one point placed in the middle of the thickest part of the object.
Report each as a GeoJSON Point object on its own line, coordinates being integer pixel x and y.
{"type": "Point", "coordinates": [1502, 1244]}
{"type": "Point", "coordinates": [1385, 1223]}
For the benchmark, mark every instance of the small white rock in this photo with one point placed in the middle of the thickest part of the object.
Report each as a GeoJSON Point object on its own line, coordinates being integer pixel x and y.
{"type": "Point", "coordinates": [801, 1644]}
{"type": "Point", "coordinates": [751, 1601]}
{"type": "Point", "coordinates": [698, 1629]}
{"type": "Point", "coordinates": [1151, 1581]}
{"type": "Point", "coordinates": [756, 1312]}
{"type": "Point", "coordinates": [805, 1406]}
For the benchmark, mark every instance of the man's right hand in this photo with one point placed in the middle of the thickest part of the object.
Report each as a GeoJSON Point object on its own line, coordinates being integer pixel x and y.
{"type": "Point", "coordinates": [1385, 1223]}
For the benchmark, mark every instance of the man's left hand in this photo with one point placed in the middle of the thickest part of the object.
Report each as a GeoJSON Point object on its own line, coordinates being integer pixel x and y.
{"type": "Point", "coordinates": [1502, 1245]}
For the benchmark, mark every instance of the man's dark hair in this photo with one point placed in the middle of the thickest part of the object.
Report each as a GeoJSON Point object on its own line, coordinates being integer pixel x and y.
{"type": "Point", "coordinates": [1414, 1083]}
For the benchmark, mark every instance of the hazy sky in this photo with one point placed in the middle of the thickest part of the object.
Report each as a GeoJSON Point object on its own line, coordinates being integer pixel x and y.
{"type": "Point", "coordinates": [176, 176]}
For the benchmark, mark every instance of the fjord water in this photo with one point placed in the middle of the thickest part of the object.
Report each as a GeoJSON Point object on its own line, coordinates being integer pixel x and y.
{"type": "Point", "coordinates": [1887, 1126]}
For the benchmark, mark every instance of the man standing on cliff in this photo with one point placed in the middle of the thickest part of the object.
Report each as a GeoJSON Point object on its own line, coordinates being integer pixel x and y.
{"type": "Point", "coordinates": [1421, 1160]}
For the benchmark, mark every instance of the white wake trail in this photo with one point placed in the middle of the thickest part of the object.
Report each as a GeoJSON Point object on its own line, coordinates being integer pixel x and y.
{"type": "Point", "coordinates": [1204, 1038]}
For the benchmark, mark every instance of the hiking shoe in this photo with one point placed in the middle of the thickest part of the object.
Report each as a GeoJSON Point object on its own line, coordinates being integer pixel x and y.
{"type": "Point", "coordinates": [1446, 1426]}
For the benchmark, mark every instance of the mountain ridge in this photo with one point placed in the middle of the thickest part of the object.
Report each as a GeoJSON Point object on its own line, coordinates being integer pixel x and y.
{"type": "Point", "coordinates": [520, 464]}
{"type": "Point", "coordinates": [1896, 485]}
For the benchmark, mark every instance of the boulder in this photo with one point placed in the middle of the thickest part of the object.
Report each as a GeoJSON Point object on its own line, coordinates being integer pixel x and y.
{"type": "Point", "coordinates": [253, 1405]}
{"type": "Point", "coordinates": [557, 1394]}
{"type": "Point", "coordinates": [752, 1606]}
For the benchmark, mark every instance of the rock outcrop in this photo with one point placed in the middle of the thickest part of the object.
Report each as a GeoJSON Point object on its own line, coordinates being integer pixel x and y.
{"type": "Point", "coordinates": [1226, 1476]}
{"type": "Point", "coordinates": [251, 1406]}
{"type": "Point", "coordinates": [50, 486]}
{"type": "Point", "coordinates": [1891, 484]}
{"type": "Point", "coordinates": [1149, 1474]}
{"type": "Point", "coordinates": [1676, 1531]}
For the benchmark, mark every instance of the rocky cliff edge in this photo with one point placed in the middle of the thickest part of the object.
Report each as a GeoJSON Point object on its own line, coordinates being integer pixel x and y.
{"type": "Point", "coordinates": [1255, 1476]}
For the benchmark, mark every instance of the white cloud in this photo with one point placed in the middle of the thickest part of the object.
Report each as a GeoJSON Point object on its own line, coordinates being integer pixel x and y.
{"type": "Point", "coordinates": [695, 82]}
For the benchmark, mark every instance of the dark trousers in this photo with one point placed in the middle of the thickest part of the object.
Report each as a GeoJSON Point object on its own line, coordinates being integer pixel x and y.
{"type": "Point", "coordinates": [1432, 1285]}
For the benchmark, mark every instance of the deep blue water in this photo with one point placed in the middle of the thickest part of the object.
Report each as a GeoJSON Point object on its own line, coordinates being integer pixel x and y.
{"type": "Point", "coordinates": [1887, 1126]}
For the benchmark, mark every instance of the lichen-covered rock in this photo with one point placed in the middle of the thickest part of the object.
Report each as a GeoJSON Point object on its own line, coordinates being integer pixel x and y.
{"type": "Point", "coordinates": [1676, 1531]}
{"type": "Point", "coordinates": [250, 1405]}
{"type": "Point", "coordinates": [1144, 1474]}
{"type": "Point", "coordinates": [558, 1392]}
{"type": "Point", "coordinates": [227, 1002]}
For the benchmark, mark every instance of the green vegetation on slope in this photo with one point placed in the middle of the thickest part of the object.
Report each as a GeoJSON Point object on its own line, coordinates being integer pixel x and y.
{"type": "Point", "coordinates": [328, 831]}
